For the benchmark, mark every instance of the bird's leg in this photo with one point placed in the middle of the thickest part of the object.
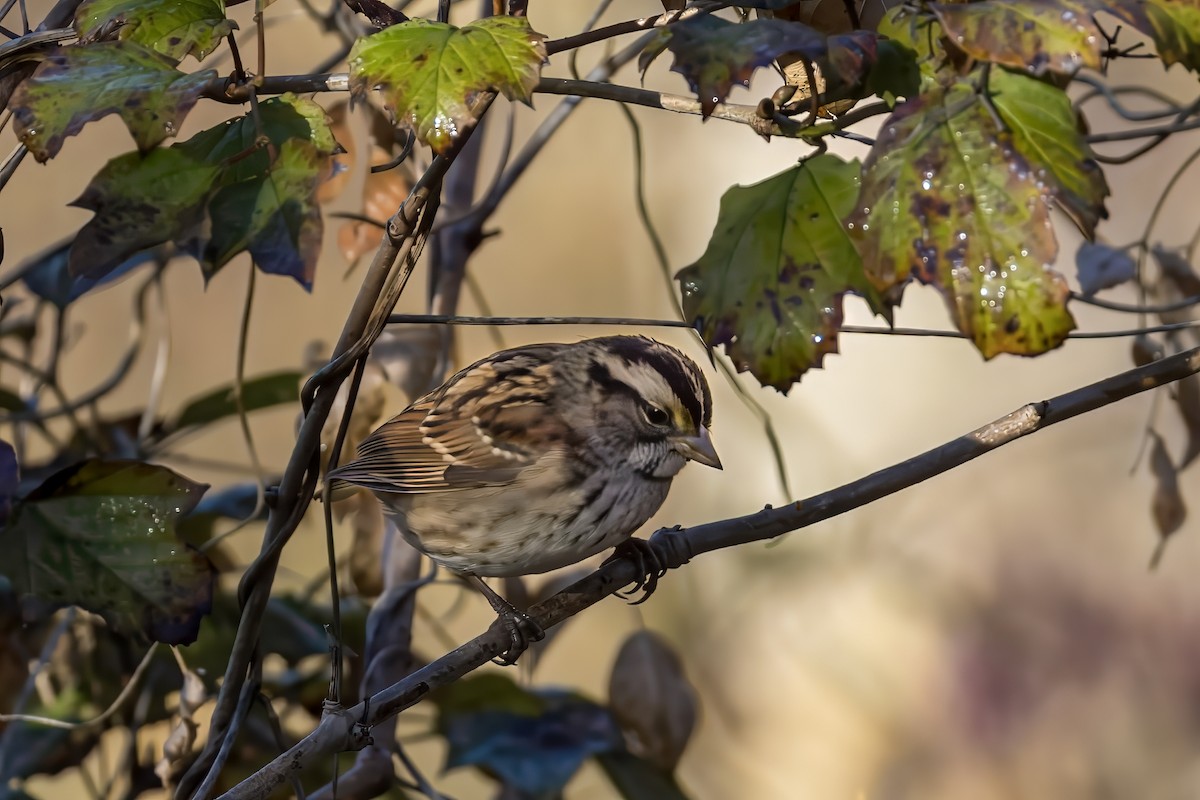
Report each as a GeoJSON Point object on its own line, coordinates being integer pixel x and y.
{"type": "Point", "coordinates": [650, 568]}
{"type": "Point", "coordinates": [522, 629]}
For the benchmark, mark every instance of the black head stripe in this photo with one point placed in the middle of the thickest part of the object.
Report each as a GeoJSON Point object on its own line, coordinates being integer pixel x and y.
{"type": "Point", "coordinates": [680, 372]}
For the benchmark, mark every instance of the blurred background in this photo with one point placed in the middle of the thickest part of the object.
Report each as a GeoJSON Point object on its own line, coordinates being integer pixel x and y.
{"type": "Point", "coordinates": [993, 633]}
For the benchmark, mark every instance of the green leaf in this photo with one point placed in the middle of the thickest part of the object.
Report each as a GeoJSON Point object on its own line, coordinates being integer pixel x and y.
{"type": "Point", "coordinates": [946, 198]}
{"type": "Point", "coordinates": [174, 28]}
{"type": "Point", "coordinates": [1059, 36]}
{"type": "Point", "coordinates": [638, 779]}
{"type": "Point", "coordinates": [216, 195]}
{"type": "Point", "coordinates": [275, 389]}
{"type": "Point", "coordinates": [489, 691]}
{"type": "Point", "coordinates": [923, 36]}
{"type": "Point", "coordinates": [769, 286]}
{"type": "Point", "coordinates": [101, 535]}
{"type": "Point", "coordinates": [77, 85]}
{"type": "Point", "coordinates": [141, 201]}
{"type": "Point", "coordinates": [275, 218]}
{"type": "Point", "coordinates": [1048, 133]}
{"type": "Point", "coordinates": [1174, 25]}
{"type": "Point", "coordinates": [895, 72]}
{"type": "Point", "coordinates": [430, 72]}
{"type": "Point", "coordinates": [713, 54]}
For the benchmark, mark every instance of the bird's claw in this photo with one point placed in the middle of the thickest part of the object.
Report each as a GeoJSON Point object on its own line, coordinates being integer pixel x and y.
{"type": "Point", "coordinates": [650, 568]}
{"type": "Point", "coordinates": [522, 629]}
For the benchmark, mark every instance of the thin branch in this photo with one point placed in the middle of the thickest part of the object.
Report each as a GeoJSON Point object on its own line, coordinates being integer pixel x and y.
{"type": "Point", "coordinates": [677, 547]}
{"type": "Point", "coordinates": [746, 115]}
{"type": "Point", "coordinates": [1137, 308]}
{"type": "Point", "coordinates": [879, 330]}
{"type": "Point", "coordinates": [47, 652]}
{"type": "Point", "coordinates": [11, 163]}
{"type": "Point", "coordinates": [1160, 131]}
{"type": "Point", "coordinates": [377, 296]}
{"type": "Point", "coordinates": [114, 707]}
{"type": "Point", "coordinates": [621, 28]}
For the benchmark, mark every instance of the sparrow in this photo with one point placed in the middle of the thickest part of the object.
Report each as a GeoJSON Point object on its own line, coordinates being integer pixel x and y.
{"type": "Point", "coordinates": [538, 457]}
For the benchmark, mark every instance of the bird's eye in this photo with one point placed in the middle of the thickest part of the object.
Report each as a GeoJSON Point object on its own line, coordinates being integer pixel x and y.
{"type": "Point", "coordinates": [656, 416]}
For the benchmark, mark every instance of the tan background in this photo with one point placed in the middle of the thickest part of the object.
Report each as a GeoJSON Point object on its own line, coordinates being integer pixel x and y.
{"type": "Point", "coordinates": [994, 633]}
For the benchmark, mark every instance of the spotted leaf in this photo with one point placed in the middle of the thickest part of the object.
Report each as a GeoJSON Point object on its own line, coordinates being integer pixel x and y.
{"type": "Point", "coordinates": [1040, 36]}
{"type": "Point", "coordinates": [101, 535]}
{"type": "Point", "coordinates": [1048, 133]}
{"type": "Point", "coordinates": [77, 85]}
{"type": "Point", "coordinates": [218, 194]}
{"type": "Point", "coordinates": [1174, 25]}
{"type": "Point", "coordinates": [948, 199]}
{"type": "Point", "coordinates": [174, 28]}
{"type": "Point", "coordinates": [713, 54]}
{"type": "Point", "coordinates": [769, 286]}
{"type": "Point", "coordinates": [431, 72]}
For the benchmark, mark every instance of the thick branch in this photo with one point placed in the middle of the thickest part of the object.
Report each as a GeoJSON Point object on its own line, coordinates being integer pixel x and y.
{"type": "Point", "coordinates": [676, 547]}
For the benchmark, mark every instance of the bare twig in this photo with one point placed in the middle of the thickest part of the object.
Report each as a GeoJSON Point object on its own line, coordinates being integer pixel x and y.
{"type": "Point", "coordinates": [878, 330]}
{"type": "Point", "coordinates": [377, 296]}
{"type": "Point", "coordinates": [677, 547]}
{"type": "Point", "coordinates": [731, 112]}
{"type": "Point", "coordinates": [114, 707]}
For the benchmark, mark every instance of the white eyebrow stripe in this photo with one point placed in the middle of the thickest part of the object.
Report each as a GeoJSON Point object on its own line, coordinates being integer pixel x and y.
{"type": "Point", "coordinates": [648, 382]}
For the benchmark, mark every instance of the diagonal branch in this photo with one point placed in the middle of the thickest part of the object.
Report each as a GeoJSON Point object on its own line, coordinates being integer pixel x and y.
{"type": "Point", "coordinates": [676, 547]}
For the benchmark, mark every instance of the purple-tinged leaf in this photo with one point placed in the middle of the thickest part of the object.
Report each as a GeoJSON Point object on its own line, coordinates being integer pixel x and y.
{"type": "Point", "coordinates": [534, 742]}
{"type": "Point", "coordinates": [50, 278]}
{"type": "Point", "coordinates": [1102, 267]}
{"type": "Point", "coordinates": [946, 198]}
{"type": "Point", "coordinates": [1039, 36]}
{"type": "Point", "coordinates": [220, 193]}
{"type": "Point", "coordinates": [713, 54]}
{"type": "Point", "coordinates": [77, 85]}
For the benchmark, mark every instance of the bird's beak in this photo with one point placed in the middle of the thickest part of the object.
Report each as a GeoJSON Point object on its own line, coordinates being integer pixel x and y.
{"type": "Point", "coordinates": [699, 448]}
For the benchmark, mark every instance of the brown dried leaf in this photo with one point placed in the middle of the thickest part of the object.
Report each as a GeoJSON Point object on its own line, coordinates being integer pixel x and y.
{"type": "Point", "coordinates": [652, 700]}
{"type": "Point", "coordinates": [1145, 350]}
{"type": "Point", "coordinates": [178, 745]}
{"type": "Point", "coordinates": [383, 192]}
{"type": "Point", "coordinates": [1187, 398]}
{"type": "Point", "coordinates": [1167, 506]}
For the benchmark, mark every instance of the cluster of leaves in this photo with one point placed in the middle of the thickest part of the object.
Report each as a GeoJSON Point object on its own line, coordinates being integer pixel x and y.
{"type": "Point", "coordinates": [534, 741]}
{"type": "Point", "coordinates": [980, 144]}
{"type": "Point", "coordinates": [956, 191]}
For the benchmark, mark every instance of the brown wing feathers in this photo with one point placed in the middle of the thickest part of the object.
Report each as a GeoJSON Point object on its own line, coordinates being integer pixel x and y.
{"type": "Point", "coordinates": [484, 426]}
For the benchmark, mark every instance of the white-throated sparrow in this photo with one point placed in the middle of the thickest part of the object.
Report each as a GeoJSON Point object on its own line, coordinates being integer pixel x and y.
{"type": "Point", "coordinates": [538, 457]}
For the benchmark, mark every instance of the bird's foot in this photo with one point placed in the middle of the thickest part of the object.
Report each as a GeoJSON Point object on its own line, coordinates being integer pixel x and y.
{"type": "Point", "coordinates": [650, 568]}
{"type": "Point", "coordinates": [522, 629]}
